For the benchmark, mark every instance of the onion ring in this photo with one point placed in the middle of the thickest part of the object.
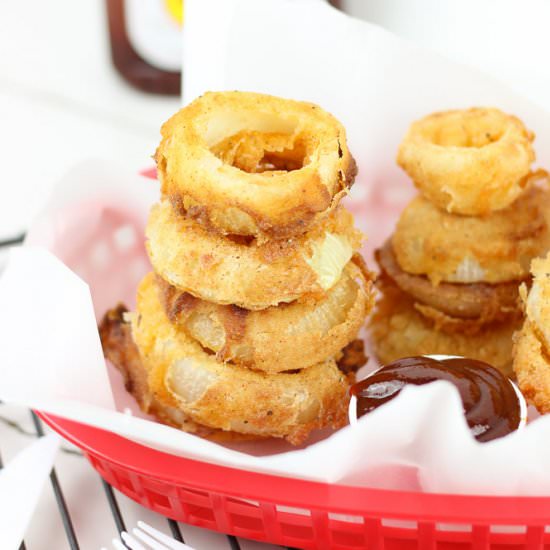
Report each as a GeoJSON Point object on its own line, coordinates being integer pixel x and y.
{"type": "Point", "coordinates": [225, 271]}
{"type": "Point", "coordinates": [399, 330]}
{"type": "Point", "coordinates": [532, 367]}
{"type": "Point", "coordinates": [121, 351]}
{"type": "Point", "coordinates": [467, 327]}
{"type": "Point", "coordinates": [469, 161]}
{"type": "Point", "coordinates": [231, 398]}
{"type": "Point", "coordinates": [532, 344]}
{"type": "Point", "coordinates": [255, 165]}
{"type": "Point", "coordinates": [286, 337]}
{"type": "Point", "coordinates": [495, 248]}
{"type": "Point", "coordinates": [481, 302]}
{"type": "Point", "coordinates": [537, 304]}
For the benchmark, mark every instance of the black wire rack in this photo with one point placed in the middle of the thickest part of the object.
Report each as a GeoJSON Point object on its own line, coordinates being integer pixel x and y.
{"type": "Point", "coordinates": [110, 495]}
{"type": "Point", "coordinates": [112, 502]}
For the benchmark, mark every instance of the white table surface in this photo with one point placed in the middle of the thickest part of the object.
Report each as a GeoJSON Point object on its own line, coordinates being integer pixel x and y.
{"type": "Point", "coordinates": [60, 102]}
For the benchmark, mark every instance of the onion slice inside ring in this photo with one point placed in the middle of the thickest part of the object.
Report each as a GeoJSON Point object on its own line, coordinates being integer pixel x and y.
{"type": "Point", "coordinates": [280, 338]}
{"type": "Point", "coordinates": [252, 276]}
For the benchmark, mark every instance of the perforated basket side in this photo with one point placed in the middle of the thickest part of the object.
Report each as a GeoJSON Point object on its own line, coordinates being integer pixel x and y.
{"type": "Point", "coordinates": [312, 528]}
{"type": "Point", "coordinates": [306, 514]}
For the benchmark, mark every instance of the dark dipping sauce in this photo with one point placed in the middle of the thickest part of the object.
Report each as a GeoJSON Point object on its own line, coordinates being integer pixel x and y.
{"type": "Point", "coordinates": [491, 405]}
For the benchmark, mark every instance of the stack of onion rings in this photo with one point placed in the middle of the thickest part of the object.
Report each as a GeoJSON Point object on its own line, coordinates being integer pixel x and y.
{"type": "Point", "coordinates": [451, 270]}
{"type": "Point", "coordinates": [228, 397]}
{"type": "Point", "coordinates": [247, 327]}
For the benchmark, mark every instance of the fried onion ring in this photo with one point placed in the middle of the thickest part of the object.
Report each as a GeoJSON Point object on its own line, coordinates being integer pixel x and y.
{"type": "Point", "coordinates": [225, 271]}
{"type": "Point", "coordinates": [121, 351]}
{"type": "Point", "coordinates": [538, 300]}
{"type": "Point", "coordinates": [469, 161]}
{"type": "Point", "coordinates": [481, 302]}
{"type": "Point", "coordinates": [252, 164]}
{"type": "Point", "coordinates": [453, 325]}
{"type": "Point", "coordinates": [532, 344]}
{"type": "Point", "coordinates": [495, 248]}
{"type": "Point", "coordinates": [227, 397]}
{"type": "Point", "coordinates": [532, 367]}
{"type": "Point", "coordinates": [286, 337]}
{"type": "Point", "coordinates": [399, 330]}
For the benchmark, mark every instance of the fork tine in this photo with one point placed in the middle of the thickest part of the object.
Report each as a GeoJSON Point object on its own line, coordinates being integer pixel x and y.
{"type": "Point", "coordinates": [161, 537]}
{"type": "Point", "coordinates": [118, 545]}
{"type": "Point", "coordinates": [131, 542]}
{"type": "Point", "coordinates": [155, 545]}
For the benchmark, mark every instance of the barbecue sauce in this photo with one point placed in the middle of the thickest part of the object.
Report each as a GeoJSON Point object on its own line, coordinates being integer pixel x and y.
{"type": "Point", "coordinates": [491, 405]}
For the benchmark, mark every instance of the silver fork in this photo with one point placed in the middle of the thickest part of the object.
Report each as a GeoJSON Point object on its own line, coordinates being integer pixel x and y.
{"type": "Point", "coordinates": [145, 537]}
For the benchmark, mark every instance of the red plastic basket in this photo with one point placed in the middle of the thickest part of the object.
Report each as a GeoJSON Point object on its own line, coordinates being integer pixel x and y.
{"type": "Point", "coordinates": [307, 514]}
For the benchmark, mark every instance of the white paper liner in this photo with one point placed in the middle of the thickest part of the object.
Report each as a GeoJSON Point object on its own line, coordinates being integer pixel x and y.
{"type": "Point", "coordinates": [50, 356]}
{"type": "Point", "coordinates": [21, 484]}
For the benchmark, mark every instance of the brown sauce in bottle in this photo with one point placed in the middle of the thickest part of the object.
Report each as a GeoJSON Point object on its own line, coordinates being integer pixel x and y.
{"type": "Point", "coordinates": [491, 406]}
{"type": "Point", "coordinates": [136, 70]}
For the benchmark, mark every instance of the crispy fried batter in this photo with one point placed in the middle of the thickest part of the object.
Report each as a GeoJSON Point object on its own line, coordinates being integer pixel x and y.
{"type": "Point", "coordinates": [469, 305]}
{"type": "Point", "coordinates": [532, 367]}
{"type": "Point", "coordinates": [225, 271]}
{"type": "Point", "coordinates": [538, 301]}
{"type": "Point", "coordinates": [253, 164]}
{"type": "Point", "coordinates": [455, 325]}
{"type": "Point", "coordinates": [494, 248]}
{"type": "Point", "coordinates": [532, 344]}
{"type": "Point", "coordinates": [280, 338]}
{"type": "Point", "coordinates": [471, 161]}
{"type": "Point", "coordinates": [352, 358]}
{"type": "Point", "coordinates": [228, 397]}
{"type": "Point", "coordinates": [399, 330]}
{"type": "Point", "coordinates": [121, 351]}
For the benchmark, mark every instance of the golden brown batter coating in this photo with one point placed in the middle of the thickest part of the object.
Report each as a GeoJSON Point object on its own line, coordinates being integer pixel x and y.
{"type": "Point", "coordinates": [494, 248]}
{"type": "Point", "coordinates": [231, 398]}
{"type": "Point", "coordinates": [532, 345]}
{"type": "Point", "coordinates": [120, 349]}
{"type": "Point", "coordinates": [538, 301]}
{"type": "Point", "coordinates": [226, 271]}
{"type": "Point", "coordinates": [468, 161]}
{"type": "Point", "coordinates": [253, 164]}
{"type": "Point", "coordinates": [281, 338]}
{"type": "Point", "coordinates": [399, 330]}
{"type": "Point", "coordinates": [465, 303]}
{"type": "Point", "coordinates": [532, 367]}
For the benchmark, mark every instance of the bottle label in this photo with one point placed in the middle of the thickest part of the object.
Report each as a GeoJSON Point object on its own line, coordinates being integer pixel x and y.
{"type": "Point", "coordinates": [154, 31]}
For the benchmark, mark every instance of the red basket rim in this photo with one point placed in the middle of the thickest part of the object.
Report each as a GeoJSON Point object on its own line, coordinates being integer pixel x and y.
{"type": "Point", "coordinates": [298, 493]}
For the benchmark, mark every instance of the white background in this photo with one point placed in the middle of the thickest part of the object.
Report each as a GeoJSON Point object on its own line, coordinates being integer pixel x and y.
{"type": "Point", "coordinates": [61, 101]}
{"type": "Point", "coordinates": [507, 39]}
